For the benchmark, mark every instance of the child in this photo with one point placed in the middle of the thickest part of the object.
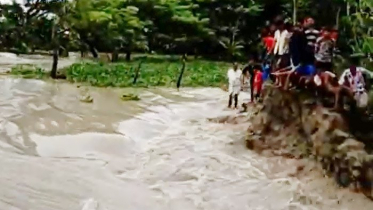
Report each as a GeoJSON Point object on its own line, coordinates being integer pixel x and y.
{"type": "Point", "coordinates": [234, 79]}
{"type": "Point", "coordinates": [258, 83]}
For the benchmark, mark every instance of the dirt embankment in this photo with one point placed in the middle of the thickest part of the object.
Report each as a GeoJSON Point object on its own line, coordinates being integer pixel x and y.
{"type": "Point", "coordinates": [286, 125]}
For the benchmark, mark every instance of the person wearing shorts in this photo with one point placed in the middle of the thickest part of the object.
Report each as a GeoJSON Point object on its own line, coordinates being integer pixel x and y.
{"type": "Point", "coordinates": [306, 70]}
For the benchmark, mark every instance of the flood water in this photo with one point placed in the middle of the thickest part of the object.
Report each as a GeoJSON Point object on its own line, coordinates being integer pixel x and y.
{"type": "Point", "coordinates": [159, 153]}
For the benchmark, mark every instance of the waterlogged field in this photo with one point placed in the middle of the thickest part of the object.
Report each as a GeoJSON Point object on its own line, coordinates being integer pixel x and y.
{"type": "Point", "coordinates": [150, 71]}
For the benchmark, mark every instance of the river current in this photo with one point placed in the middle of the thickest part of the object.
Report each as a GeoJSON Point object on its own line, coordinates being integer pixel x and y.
{"type": "Point", "coordinates": [159, 153]}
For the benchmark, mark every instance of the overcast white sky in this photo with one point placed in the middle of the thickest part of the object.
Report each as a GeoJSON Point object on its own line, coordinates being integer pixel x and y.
{"type": "Point", "coordinates": [10, 1]}
{"type": "Point", "coordinates": [21, 2]}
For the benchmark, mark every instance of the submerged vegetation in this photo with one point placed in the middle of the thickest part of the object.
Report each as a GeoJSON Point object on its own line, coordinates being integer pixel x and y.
{"type": "Point", "coordinates": [29, 71]}
{"type": "Point", "coordinates": [151, 72]}
{"type": "Point", "coordinates": [197, 73]}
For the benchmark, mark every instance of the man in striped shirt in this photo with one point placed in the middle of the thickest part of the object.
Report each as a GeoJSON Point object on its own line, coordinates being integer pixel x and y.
{"type": "Point", "coordinates": [311, 35]}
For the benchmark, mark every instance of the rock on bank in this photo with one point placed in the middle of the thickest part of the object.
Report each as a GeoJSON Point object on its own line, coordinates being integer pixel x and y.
{"type": "Point", "coordinates": [286, 125]}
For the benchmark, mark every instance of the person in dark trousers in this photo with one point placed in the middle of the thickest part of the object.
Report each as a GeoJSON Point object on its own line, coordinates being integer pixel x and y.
{"type": "Point", "coordinates": [311, 35]}
{"type": "Point", "coordinates": [250, 69]}
{"type": "Point", "coordinates": [297, 45]}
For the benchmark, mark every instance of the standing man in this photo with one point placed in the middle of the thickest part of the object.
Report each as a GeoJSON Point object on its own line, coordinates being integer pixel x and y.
{"type": "Point", "coordinates": [311, 35]}
{"type": "Point", "coordinates": [281, 43]}
{"type": "Point", "coordinates": [234, 79]}
{"type": "Point", "coordinates": [297, 45]}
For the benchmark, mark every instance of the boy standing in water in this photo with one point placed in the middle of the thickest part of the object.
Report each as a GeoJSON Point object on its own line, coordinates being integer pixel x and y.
{"type": "Point", "coordinates": [234, 88]}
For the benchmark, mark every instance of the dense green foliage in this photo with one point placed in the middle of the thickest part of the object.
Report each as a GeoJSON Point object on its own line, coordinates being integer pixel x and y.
{"type": "Point", "coordinates": [211, 28]}
{"type": "Point", "coordinates": [151, 73]}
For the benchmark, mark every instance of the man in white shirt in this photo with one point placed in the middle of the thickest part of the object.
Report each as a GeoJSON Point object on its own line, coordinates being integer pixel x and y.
{"type": "Point", "coordinates": [281, 49]}
{"type": "Point", "coordinates": [281, 36]}
{"type": "Point", "coordinates": [234, 88]}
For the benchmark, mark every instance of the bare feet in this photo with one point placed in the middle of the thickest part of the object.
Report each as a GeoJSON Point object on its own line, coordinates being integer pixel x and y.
{"type": "Point", "coordinates": [335, 109]}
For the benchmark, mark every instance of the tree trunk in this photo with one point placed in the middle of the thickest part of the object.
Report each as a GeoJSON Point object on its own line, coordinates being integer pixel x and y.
{"type": "Point", "coordinates": [150, 42]}
{"type": "Point", "coordinates": [115, 55]}
{"type": "Point", "coordinates": [55, 52]}
{"type": "Point", "coordinates": [63, 52]}
{"type": "Point", "coordinates": [128, 55]}
{"type": "Point", "coordinates": [55, 63]}
{"type": "Point", "coordinates": [93, 50]}
{"type": "Point", "coordinates": [178, 84]}
{"type": "Point", "coordinates": [137, 74]}
{"type": "Point", "coordinates": [337, 17]}
{"type": "Point", "coordinates": [295, 6]}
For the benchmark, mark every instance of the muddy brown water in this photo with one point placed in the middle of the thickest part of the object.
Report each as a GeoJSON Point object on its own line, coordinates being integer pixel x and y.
{"type": "Point", "coordinates": [57, 153]}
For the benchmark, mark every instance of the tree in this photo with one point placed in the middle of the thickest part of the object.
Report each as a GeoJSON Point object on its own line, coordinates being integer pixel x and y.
{"type": "Point", "coordinates": [222, 29]}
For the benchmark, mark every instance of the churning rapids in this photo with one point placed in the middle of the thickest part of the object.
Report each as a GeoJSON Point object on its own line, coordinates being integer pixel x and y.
{"type": "Point", "coordinates": [57, 153]}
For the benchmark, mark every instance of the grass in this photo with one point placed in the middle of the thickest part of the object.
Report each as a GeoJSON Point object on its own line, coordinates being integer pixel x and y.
{"type": "Point", "coordinates": [153, 72]}
{"type": "Point", "coordinates": [29, 71]}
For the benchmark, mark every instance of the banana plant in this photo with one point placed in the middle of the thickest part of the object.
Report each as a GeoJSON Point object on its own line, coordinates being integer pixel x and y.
{"type": "Point", "coordinates": [232, 46]}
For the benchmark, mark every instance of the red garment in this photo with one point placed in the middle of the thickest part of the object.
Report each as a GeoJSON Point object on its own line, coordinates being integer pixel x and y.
{"type": "Point", "coordinates": [269, 43]}
{"type": "Point", "coordinates": [258, 82]}
{"type": "Point", "coordinates": [334, 35]}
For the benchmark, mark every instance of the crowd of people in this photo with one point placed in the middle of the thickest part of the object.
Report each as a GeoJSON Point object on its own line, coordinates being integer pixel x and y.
{"type": "Point", "coordinates": [298, 56]}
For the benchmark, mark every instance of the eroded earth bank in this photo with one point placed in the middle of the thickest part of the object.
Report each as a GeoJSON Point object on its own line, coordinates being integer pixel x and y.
{"type": "Point", "coordinates": [290, 125]}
